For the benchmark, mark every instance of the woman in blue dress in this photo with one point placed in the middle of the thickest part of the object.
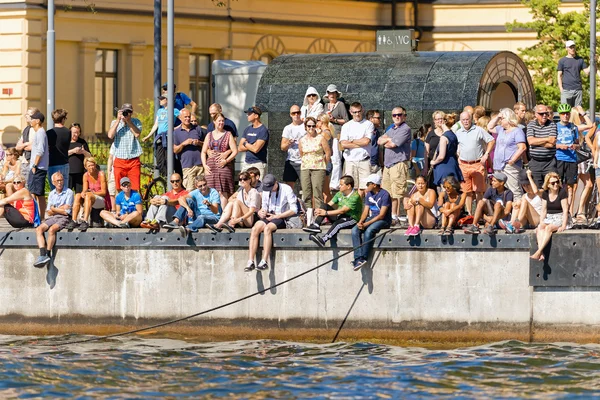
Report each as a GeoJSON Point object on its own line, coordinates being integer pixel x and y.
{"type": "Point", "coordinates": [445, 163]}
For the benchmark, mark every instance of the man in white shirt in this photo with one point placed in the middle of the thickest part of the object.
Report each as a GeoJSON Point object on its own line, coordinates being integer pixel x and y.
{"type": "Point", "coordinates": [355, 138]}
{"type": "Point", "coordinates": [290, 138]}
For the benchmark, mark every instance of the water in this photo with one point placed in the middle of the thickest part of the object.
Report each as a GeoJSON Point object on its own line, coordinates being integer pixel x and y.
{"type": "Point", "coordinates": [148, 367]}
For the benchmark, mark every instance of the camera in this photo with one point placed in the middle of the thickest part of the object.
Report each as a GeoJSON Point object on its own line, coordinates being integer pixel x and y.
{"type": "Point", "coordinates": [126, 113]}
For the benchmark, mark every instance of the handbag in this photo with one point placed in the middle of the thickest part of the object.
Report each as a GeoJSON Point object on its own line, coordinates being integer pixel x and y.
{"type": "Point", "coordinates": [583, 154]}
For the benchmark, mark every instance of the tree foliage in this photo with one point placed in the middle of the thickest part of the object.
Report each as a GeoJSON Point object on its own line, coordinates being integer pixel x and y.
{"type": "Point", "coordinates": [553, 28]}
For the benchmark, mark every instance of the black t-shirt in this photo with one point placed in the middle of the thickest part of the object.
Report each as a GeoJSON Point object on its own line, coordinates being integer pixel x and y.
{"type": "Point", "coordinates": [554, 207]}
{"type": "Point", "coordinates": [433, 140]}
{"type": "Point", "coordinates": [59, 140]}
{"type": "Point", "coordinates": [26, 153]}
{"type": "Point", "coordinates": [76, 160]}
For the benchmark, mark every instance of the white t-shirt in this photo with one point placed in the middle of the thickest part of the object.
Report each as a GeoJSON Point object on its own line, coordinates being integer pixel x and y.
{"type": "Point", "coordinates": [281, 201]}
{"type": "Point", "coordinates": [295, 133]}
{"type": "Point", "coordinates": [353, 130]}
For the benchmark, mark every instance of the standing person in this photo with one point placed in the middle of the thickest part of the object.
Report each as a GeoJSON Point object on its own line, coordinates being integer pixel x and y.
{"type": "Point", "coordinates": [163, 207]}
{"type": "Point", "coordinates": [36, 182]}
{"type": "Point", "coordinates": [25, 142]}
{"type": "Point", "coordinates": [432, 140]}
{"type": "Point", "coordinates": [315, 155]}
{"type": "Point", "coordinates": [567, 141]}
{"type": "Point", "coordinates": [510, 146]}
{"type": "Point", "coordinates": [180, 101]}
{"type": "Point", "coordinates": [588, 129]}
{"type": "Point", "coordinates": [333, 171]}
{"type": "Point", "coordinates": [290, 139]}
{"type": "Point", "coordinates": [279, 204]}
{"type": "Point", "coordinates": [569, 76]}
{"type": "Point", "coordinates": [59, 141]}
{"type": "Point", "coordinates": [446, 162]}
{"type": "Point", "coordinates": [344, 211]}
{"type": "Point", "coordinates": [187, 144]}
{"type": "Point", "coordinates": [60, 204]}
{"type": "Point", "coordinates": [94, 195]}
{"type": "Point", "coordinates": [338, 115]}
{"type": "Point", "coordinates": [78, 152]}
{"type": "Point", "coordinates": [417, 149]}
{"type": "Point", "coordinates": [520, 110]}
{"type": "Point", "coordinates": [541, 136]}
{"type": "Point", "coordinates": [128, 207]}
{"type": "Point", "coordinates": [161, 128]}
{"type": "Point", "coordinates": [555, 213]}
{"type": "Point", "coordinates": [475, 147]}
{"type": "Point", "coordinates": [355, 139]}
{"type": "Point", "coordinates": [376, 215]}
{"type": "Point", "coordinates": [311, 106]}
{"type": "Point", "coordinates": [375, 152]}
{"type": "Point", "coordinates": [396, 160]}
{"type": "Point", "coordinates": [229, 126]}
{"type": "Point", "coordinates": [255, 141]}
{"type": "Point", "coordinates": [125, 130]}
{"type": "Point", "coordinates": [218, 156]}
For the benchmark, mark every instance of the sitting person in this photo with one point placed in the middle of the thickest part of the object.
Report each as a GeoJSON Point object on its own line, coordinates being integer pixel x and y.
{"type": "Point", "coordinates": [419, 208]}
{"type": "Point", "coordinates": [94, 194]}
{"type": "Point", "coordinates": [19, 208]}
{"type": "Point", "coordinates": [240, 211]}
{"type": "Point", "coordinates": [376, 215]}
{"type": "Point", "coordinates": [128, 205]}
{"type": "Point", "coordinates": [163, 208]}
{"type": "Point", "coordinates": [451, 204]}
{"type": "Point", "coordinates": [344, 211]}
{"type": "Point", "coordinates": [11, 168]}
{"type": "Point", "coordinates": [529, 210]}
{"type": "Point", "coordinates": [58, 210]}
{"type": "Point", "coordinates": [495, 205]}
{"type": "Point", "coordinates": [555, 213]}
{"type": "Point", "coordinates": [279, 203]}
{"type": "Point", "coordinates": [202, 206]}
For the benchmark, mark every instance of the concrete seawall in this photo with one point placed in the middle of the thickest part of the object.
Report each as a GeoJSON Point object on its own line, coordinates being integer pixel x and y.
{"type": "Point", "coordinates": [469, 287]}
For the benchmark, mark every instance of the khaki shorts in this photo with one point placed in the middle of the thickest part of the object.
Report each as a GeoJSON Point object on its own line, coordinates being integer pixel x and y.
{"type": "Point", "coordinates": [262, 167]}
{"type": "Point", "coordinates": [395, 179]}
{"type": "Point", "coordinates": [360, 171]}
{"type": "Point", "coordinates": [189, 174]}
{"type": "Point", "coordinates": [112, 188]}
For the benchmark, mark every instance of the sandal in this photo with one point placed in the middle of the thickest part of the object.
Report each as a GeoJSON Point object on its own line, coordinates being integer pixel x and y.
{"type": "Point", "coordinates": [449, 232]}
{"type": "Point", "coordinates": [442, 231]}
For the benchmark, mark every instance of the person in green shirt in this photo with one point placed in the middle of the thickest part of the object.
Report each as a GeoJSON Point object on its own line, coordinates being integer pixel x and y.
{"type": "Point", "coordinates": [344, 211]}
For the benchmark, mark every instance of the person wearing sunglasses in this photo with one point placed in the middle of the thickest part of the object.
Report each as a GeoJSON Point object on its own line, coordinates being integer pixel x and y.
{"type": "Point", "coordinates": [19, 207]}
{"type": "Point", "coordinates": [128, 207]}
{"type": "Point", "coordinates": [290, 138]}
{"type": "Point", "coordinates": [11, 168]}
{"type": "Point", "coordinates": [242, 210]}
{"type": "Point", "coordinates": [555, 213]}
{"type": "Point", "coordinates": [541, 136]}
{"type": "Point", "coordinates": [163, 208]}
{"type": "Point", "coordinates": [311, 107]}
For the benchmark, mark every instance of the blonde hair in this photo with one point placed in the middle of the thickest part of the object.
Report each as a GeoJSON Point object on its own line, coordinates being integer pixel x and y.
{"type": "Point", "coordinates": [450, 120]}
{"type": "Point", "coordinates": [326, 121]}
{"type": "Point", "coordinates": [575, 118]}
{"type": "Point", "coordinates": [483, 122]}
{"type": "Point", "coordinates": [90, 159]}
{"type": "Point", "coordinates": [549, 176]}
{"type": "Point", "coordinates": [443, 114]}
{"type": "Point", "coordinates": [510, 116]}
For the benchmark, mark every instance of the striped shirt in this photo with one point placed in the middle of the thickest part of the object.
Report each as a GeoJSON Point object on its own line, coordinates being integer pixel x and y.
{"type": "Point", "coordinates": [127, 146]}
{"type": "Point", "coordinates": [534, 129]}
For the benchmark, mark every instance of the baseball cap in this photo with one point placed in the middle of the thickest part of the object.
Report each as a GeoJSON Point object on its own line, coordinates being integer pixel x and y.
{"type": "Point", "coordinates": [38, 115]}
{"type": "Point", "coordinates": [523, 178]}
{"type": "Point", "coordinates": [268, 182]}
{"type": "Point", "coordinates": [127, 107]}
{"type": "Point", "coordinates": [500, 176]}
{"type": "Point", "coordinates": [163, 97]}
{"type": "Point", "coordinates": [254, 110]}
{"type": "Point", "coordinates": [124, 180]}
{"type": "Point", "coordinates": [569, 43]}
{"type": "Point", "coordinates": [374, 178]}
{"type": "Point", "coordinates": [166, 85]}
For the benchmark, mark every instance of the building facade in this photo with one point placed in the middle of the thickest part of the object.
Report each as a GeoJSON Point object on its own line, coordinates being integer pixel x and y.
{"type": "Point", "coordinates": [104, 56]}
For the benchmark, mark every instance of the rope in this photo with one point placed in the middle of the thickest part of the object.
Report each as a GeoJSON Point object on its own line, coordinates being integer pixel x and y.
{"type": "Point", "coordinates": [222, 305]}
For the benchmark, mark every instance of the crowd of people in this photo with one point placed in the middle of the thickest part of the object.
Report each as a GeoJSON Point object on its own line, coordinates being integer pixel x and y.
{"type": "Point", "coordinates": [513, 169]}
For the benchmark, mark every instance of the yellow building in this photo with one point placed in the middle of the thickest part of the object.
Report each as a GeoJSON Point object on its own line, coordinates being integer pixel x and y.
{"type": "Point", "coordinates": [105, 58]}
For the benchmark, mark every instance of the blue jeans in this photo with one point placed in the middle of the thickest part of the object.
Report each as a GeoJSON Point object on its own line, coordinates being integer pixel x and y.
{"type": "Point", "coordinates": [369, 233]}
{"type": "Point", "coordinates": [199, 222]}
{"type": "Point", "coordinates": [63, 169]}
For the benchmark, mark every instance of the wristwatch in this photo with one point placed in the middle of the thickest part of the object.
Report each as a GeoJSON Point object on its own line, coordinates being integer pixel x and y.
{"type": "Point", "coordinates": [34, 166]}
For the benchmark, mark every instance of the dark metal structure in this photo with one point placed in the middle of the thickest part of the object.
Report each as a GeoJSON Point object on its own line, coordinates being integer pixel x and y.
{"type": "Point", "coordinates": [420, 81]}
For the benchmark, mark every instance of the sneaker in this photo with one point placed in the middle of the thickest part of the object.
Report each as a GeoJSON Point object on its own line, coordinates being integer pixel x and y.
{"type": "Point", "coordinates": [507, 226]}
{"type": "Point", "coordinates": [230, 228]}
{"type": "Point", "coordinates": [408, 231]}
{"type": "Point", "coordinates": [184, 232]}
{"type": "Point", "coordinates": [317, 240]}
{"type": "Point", "coordinates": [490, 230]}
{"type": "Point", "coordinates": [145, 225]}
{"type": "Point", "coordinates": [359, 264]}
{"type": "Point", "coordinates": [41, 261]}
{"type": "Point", "coordinates": [171, 225]}
{"type": "Point", "coordinates": [109, 225]}
{"type": "Point", "coordinates": [124, 225]}
{"type": "Point", "coordinates": [416, 231]}
{"type": "Point", "coordinates": [472, 230]}
{"type": "Point", "coordinates": [71, 225]}
{"type": "Point", "coordinates": [213, 228]}
{"type": "Point", "coordinates": [250, 266]}
{"type": "Point", "coordinates": [313, 228]}
{"type": "Point", "coordinates": [83, 226]}
{"type": "Point", "coordinates": [262, 265]}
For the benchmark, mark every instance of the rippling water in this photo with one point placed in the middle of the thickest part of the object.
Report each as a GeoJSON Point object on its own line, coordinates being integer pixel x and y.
{"type": "Point", "coordinates": [143, 367]}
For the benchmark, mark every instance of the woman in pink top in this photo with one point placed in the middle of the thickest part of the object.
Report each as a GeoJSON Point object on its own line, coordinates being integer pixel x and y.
{"type": "Point", "coordinates": [94, 193]}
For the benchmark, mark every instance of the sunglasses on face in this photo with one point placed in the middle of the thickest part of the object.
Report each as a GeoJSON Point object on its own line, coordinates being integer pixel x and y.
{"type": "Point", "coordinates": [310, 126]}
{"type": "Point", "coordinates": [398, 115]}
{"type": "Point", "coordinates": [243, 179]}
{"type": "Point", "coordinates": [312, 95]}
{"type": "Point", "coordinates": [203, 185]}
{"type": "Point", "coordinates": [17, 182]}
{"type": "Point", "coordinates": [553, 183]}
{"type": "Point", "coordinates": [125, 184]}
{"type": "Point", "coordinates": [295, 113]}
{"type": "Point", "coordinates": [175, 180]}
{"type": "Point", "coordinates": [565, 113]}
{"type": "Point", "coordinates": [543, 113]}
